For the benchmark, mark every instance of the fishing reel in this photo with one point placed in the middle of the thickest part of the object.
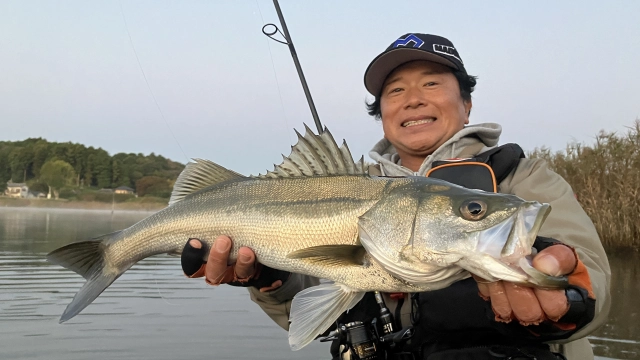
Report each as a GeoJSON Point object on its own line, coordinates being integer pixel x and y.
{"type": "Point", "coordinates": [373, 342]}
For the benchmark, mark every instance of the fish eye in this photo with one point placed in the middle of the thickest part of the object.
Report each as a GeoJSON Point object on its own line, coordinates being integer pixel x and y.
{"type": "Point", "coordinates": [473, 210]}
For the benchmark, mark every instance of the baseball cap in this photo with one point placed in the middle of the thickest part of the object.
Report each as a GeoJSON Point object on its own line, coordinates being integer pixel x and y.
{"type": "Point", "coordinates": [410, 47]}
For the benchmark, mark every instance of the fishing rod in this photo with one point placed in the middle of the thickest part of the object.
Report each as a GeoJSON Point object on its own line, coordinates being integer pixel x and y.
{"type": "Point", "coordinates": [294, 55]}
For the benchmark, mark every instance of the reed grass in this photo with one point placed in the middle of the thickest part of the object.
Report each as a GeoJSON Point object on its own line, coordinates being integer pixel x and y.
{"type": "Point", "coordinates": [605, 177]}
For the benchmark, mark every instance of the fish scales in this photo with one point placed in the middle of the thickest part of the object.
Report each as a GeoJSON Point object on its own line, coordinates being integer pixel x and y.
{"type": "Point", "coordinates": [294, 213]}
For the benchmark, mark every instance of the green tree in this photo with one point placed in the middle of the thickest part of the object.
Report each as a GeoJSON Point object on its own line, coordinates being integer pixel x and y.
{"type": "Point", "coordinates": [116, 174]}
{"type": "Point", "coordinates": [40, 156]}
{"type": "Point", "coordinates": [154, 186]}
{"type": "Point", "coordinates": [102, 168]}
{"type": "Point", "coordinates": [5, 166]}
{"type": "Point", "coordinates": [21, 159]}
{"type": "Point", "coordinates": [56, 174]}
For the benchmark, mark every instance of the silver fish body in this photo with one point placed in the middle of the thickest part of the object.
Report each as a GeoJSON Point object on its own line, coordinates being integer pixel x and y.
{"type": "Point", "coordinates": [275, 218]}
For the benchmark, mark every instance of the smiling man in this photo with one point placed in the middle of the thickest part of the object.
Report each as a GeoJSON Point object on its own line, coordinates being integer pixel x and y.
{"type": "Point", "coordinates": [422, 108]}
{"type": "Point", "coordinates": [422, 95]}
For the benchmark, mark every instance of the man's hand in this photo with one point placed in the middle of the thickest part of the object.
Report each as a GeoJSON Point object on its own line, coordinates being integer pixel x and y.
{"type": "Point", "coordinates": [217, 269]}
{"type": "Point", "coordinates": [531, 306]}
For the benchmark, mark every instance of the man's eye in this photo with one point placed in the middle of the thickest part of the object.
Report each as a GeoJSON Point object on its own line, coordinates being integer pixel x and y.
{"type": "Point", "coordinates": [395, 90]}
{"type": "Point", "coordinates": [430, 83]}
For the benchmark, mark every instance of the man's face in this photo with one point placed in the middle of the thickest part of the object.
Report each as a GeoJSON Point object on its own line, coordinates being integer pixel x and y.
{"type": "Point", "coordinates": [421, 109]}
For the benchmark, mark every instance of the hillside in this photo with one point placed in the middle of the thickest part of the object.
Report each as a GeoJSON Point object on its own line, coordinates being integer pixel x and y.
{"type": "Point", "coordinates": [88, 167]}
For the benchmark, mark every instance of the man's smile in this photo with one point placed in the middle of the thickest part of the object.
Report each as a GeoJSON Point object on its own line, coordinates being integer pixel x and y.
{"type": "Point", "coordinates": [418, 121]}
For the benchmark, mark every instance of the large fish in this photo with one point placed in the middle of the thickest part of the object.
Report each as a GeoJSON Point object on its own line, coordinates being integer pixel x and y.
{"type": "Point", "coordinates": [320, 214]}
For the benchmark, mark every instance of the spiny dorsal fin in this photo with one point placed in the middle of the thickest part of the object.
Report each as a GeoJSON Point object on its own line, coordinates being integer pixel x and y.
{"type": "Point", "coordinates": [198, 175]}
{"type": "Point", "coordinates": [317, 155]}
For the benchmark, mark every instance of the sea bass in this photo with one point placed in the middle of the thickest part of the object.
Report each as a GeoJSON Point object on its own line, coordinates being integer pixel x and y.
{"type": "Point", "coordinates": [319, 213]}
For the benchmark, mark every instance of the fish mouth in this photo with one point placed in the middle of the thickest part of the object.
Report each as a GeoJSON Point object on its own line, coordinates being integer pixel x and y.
{"type": "Point", "coordinates": [528, 222]}
{"type": "Point", "coordinates": [501, 250]}
{"type": "Point", "coordinates": [513, 238]}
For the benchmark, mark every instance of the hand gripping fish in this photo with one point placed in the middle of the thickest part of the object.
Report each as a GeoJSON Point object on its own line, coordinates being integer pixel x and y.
{"type": "Point", "coordinates": [319, 213]}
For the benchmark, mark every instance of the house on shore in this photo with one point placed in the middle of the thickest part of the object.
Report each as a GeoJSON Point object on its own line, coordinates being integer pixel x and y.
{"type": "Point", "coordinates": [21, 191]}
{"type": "Point", "coordinates": [17, 190]}
{"type": "Point", "coordinates": [36, 195]}
{"type": "Point", "coordinates": [124, 190]}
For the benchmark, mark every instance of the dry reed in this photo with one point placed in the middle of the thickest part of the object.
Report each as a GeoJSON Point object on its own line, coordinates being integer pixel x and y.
{"type": "Point", "coordinates": [606, 180]}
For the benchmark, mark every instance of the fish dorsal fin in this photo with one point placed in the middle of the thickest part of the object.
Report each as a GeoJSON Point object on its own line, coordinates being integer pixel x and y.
{"type": "Point", "coordinates": [317, 155]}
{"type": "Point", "coordinates": [199, 174]}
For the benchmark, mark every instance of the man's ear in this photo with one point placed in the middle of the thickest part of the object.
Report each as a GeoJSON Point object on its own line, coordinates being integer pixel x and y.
{"type": "Point", "coordinates": [468, 104]}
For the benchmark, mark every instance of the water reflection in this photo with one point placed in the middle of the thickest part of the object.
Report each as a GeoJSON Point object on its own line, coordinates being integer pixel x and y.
{"type": "Point", "coordinates": [152, 312]}
{"type": "Point", "coordinates": [619, 338]}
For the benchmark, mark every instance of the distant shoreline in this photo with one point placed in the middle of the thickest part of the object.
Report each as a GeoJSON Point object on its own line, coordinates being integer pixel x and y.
{"type": "Point", "coordinates": [80, 205]}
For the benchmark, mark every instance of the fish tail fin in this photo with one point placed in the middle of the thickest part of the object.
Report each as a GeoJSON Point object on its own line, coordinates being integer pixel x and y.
{"type": "Point", "coordinates": [315, 309]}
{"type": "Point", "coordinates": [87, 258]}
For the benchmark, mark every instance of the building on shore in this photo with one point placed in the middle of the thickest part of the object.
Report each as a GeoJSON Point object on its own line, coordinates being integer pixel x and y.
{"type": "Point", "coordinates": [17, 190]}
{"type": "Point", "coordinates": [21, 191]}
{"type": "Point", "coordinates": [124, 190]}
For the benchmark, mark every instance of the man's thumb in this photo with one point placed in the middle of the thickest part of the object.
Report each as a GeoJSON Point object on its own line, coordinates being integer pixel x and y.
{"type": "Point", "coordinates": [556, 260]}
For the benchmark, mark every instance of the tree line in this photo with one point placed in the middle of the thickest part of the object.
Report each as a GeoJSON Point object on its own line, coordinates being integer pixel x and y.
{"type": "Point", "coordinates": [39, 162]}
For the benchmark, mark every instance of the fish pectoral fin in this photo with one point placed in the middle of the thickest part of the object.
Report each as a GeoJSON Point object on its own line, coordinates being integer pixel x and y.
{"type": "Point", "coordinates": [198, 175]}
{"type": "Point", "coordinates": [347, 255]}
{"type": "Point", "coordinates": [315, 309]}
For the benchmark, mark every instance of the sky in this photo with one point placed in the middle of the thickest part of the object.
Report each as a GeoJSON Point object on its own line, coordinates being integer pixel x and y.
{"type": "Point", "coordinates": [550, 72]}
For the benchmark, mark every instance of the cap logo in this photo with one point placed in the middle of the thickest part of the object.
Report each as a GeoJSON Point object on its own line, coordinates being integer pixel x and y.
{"type": "Point", "coordinates": [447, 50]}
{"type": "Point", "coordinates": [417, 42]}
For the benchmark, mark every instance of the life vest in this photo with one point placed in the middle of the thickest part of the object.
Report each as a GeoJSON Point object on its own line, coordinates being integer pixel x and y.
{"type": "Point", "coordinates": [483, 171]}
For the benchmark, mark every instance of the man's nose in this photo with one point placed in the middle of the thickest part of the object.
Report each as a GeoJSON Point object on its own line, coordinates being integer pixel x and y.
{"type": "Point", "coordinates": [415, 98]}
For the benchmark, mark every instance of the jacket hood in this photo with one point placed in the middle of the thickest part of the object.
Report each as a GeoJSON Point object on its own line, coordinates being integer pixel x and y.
{"type": "Point", "coordinates": [469, 141]}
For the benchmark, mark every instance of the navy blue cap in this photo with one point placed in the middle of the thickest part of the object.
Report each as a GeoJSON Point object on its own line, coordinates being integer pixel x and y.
{"type": "Point", "coordinates": [410, 47]}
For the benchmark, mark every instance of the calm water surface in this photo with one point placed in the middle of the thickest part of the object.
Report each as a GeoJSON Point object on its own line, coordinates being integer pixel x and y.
{"type": "Point", "coordinates": [153, 312]}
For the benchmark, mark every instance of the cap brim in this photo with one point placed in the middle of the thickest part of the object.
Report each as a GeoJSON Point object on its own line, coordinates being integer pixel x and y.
{"type": "Point", "coordinates": [385, 63]}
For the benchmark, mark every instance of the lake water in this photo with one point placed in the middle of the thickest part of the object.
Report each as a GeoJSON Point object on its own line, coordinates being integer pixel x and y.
{"type": "Point", "coordinates": [153, 312]}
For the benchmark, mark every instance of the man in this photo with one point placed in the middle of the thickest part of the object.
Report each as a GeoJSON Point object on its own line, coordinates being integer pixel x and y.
{"type": "Point", "coordinates": [423, 98]}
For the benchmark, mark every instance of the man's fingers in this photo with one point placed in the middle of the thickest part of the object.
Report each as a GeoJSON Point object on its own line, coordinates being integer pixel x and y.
{"type": "Point", "coordinates": [524, 304]}
{"type": "Point", "coordinates": [499, 301]}
{"type": "Point", "coordinates": [483, 287]}
{"type": "Point", "coordinates": [556, 260]}
{"type": "Point", "coordinates": [218, 259]}
{"type": "Point", "coordinates": [246, 263]}
{"type": "Point", "coordinates": [554, 303]}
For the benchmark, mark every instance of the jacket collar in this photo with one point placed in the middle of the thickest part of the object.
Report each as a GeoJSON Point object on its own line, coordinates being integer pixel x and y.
{"type": "Point", "coordinates": [468, 142]}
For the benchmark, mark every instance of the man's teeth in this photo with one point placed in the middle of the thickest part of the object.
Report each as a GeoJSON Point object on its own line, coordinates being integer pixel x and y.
{"type": "Point", "coordinates": [417, 122]}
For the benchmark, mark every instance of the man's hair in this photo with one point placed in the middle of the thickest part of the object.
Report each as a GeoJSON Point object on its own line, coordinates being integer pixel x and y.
{"type": "Point", "coordinates": [466, 83]}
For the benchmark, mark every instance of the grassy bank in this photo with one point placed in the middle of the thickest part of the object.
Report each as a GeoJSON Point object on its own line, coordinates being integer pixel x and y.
{"type": "Point", "coordinates": [605, 177]}
{"type": "Point", "coordinates": [145, 204]}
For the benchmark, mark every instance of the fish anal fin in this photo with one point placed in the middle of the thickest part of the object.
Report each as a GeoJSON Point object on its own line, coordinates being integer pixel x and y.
{"type": "Point", "coordinates": [336, 255]}
{"type": "Point", "coordinates": [199, 174]}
